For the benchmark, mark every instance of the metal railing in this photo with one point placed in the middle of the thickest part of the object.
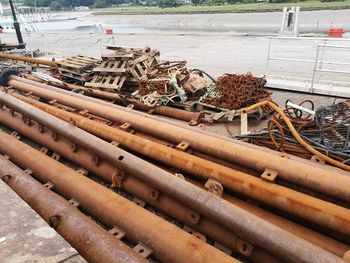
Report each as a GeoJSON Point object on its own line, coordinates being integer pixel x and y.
{"type": "Point", "coordinates": [312, 60]}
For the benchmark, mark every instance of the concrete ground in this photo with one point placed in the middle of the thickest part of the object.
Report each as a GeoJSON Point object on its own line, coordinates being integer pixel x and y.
{"type": "Point", "coordinates": [26, 238]}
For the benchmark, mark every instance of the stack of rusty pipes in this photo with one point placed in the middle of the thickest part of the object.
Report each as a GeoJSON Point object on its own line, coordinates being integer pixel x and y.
{"type": "Point", "coordinates": [112, 209]}
{"type": "Point", "coordinates": [164, 203]}
{"type": "Point", "coordinates": [312, 209]}
{"type": "Point", "coordinates": [264, 234]}
{"type": "Point", "coordinates": [317, 177]}
{"type": "Point", "coordinates": [95, 244]}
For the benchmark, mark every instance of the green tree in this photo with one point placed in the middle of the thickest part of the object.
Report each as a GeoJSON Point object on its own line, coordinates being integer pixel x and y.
{"type": "Point", "coordinates": [55, 6]}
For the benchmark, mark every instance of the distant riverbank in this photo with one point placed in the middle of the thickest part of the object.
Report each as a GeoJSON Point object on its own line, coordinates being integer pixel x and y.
{"type": "Point", "coordinates": [229, 8]}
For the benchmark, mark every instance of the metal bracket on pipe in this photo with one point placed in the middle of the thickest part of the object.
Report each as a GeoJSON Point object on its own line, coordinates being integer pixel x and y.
{"type": "Point", "coordinates": [115, 143]}
{"type": "Point", "coordinates": [16, 135]}
{"type": "Point", "coordinates": [55, 156]}
{"type": "Point", "coordinates": [49, 185]}
{"type": "Point", "coordinates": [74, 202]}
{"type": "Point", "coordinates": [195, 233]}
{"type": "Point", "coordinates": [178, 175]}
{"type": "Point", "coordinates": [95, 160]}
{"type": "Point", "coordinates": [214, 186]}
{"type": "Point", "coordinates": [139, 202]}
{"type": "Point", "coordinates": [269, 175]}
{"type": "Point", "coordinates": [41, 128]}
{"type": "Point", "coordinates": [125, 126]}
{"type": "Point", "coordinates": [73, 147]}
{"type": "Point", "coordinates": [223, 248]}
{"type": "Point", "coordinates": [183, 146]}
{"type": "Point", "coordinates": [83, 112]}
{"type": "Point", "coordinates": [117, 232]}
{"type": "Point", "coordinates": [317, 159]}
{"type": "Point", "coordinates": [285, 155]}
{"type": "Point", "coordinates": [71, 121]}
{"type": "Point", "coordinates": [44, 150]}
{"type": "Point", "coordinates": [82, 171]}
{"type": "Point", "coordinates": [28, 171]}
{"type": "Point", "coordinates": [244, 247]}
{"type": "Point", "coordinates": [117, 179]}
{"type": "Point", "coordinates": [143, 250]}
{"type": "Point", "coordinates": [52, 101]}
{"type": "Point", "coordinates": [194, 217]}
{"type": "Point", "coordinates": [154, 194]}
{"type": "Point", "coordinates": [54, 136]}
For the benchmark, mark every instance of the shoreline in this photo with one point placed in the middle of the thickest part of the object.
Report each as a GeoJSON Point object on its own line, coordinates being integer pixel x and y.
{"type": "Point", "coordinates": [222, 9]}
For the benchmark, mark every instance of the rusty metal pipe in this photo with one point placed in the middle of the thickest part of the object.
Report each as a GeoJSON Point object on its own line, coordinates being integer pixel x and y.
{"type": "Point", "coordinates": [112, 209]}
{"type": "Point", "coordinates": [193, 118]}
{"type": "Point", "coordinates": [27, 59]}
{"type": "Point", "coordinates": [134, 186]}
{"type": "Point", "coordinates": [91, 241]}
{"type": "Point", "coordinates": [305, 174]}
{"type": "Point", "coordinates": [304, 206]}
{"type": "Point", "coordinates": [245, 224]}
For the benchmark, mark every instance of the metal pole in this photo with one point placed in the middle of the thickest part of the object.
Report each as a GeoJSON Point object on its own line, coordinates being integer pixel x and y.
{"type": "Point", "coordinates": [21, 44]}
{"type": "Point", "coordinates": [314, 70]}
{"type": "Point", "coordinates": [264, 234]}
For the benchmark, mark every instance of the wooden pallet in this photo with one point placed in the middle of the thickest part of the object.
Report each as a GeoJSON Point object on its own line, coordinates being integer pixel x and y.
{"type": "Point", "coordinates": [116, 67]}
{"type": "Point", "coordinates": [78, 64]}
{"type": "Point", "coordinates": [106, 82]}
{"type": "Point", "coordinates": [139, 70]}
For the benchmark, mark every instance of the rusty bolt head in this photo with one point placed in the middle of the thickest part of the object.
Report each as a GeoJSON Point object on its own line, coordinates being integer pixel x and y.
{"type": "Point", "coordinates": [28, 121]}
{"type": "Point", "coordinates": [73, 147]}
{"type": "Point", "coordinates": [95, 160]}
{"type": "Point", "coordinates": [41, 128]}
{"type": "Point", "coordinates": [245, 248]}
{"type": "Point", "coordinates": [194, 217]}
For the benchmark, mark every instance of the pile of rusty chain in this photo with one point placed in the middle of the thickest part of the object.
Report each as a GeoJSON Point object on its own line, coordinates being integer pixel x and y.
{"type": "Point", "coordinates": [237, 91]}
{"type": "Point", "coordinates": [328, 132]}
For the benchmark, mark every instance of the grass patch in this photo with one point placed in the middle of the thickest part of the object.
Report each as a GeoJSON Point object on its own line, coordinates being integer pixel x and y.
{"type": "Point", "coordinates": [236, 8]}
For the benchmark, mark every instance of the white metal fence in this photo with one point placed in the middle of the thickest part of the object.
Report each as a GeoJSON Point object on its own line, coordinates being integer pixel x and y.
{"type": "Point", "coordinates": [313, 61]}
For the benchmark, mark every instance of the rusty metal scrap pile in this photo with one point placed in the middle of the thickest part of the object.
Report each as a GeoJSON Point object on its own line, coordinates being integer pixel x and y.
{"type": "Point", "coordinates": [238, 91]}
{"type": "Point", "coordinates": [144, 189]}
{"type": "Point", "coordinates": [328, 132]}
{"type": "Point", "coordinates": [136, 77]}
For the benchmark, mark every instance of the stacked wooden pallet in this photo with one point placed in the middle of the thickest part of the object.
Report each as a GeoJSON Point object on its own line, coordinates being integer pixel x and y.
{"type": "Point", "coordinates": [123, 67]}
{"type": "Point", "coordinates": [77, 68]}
